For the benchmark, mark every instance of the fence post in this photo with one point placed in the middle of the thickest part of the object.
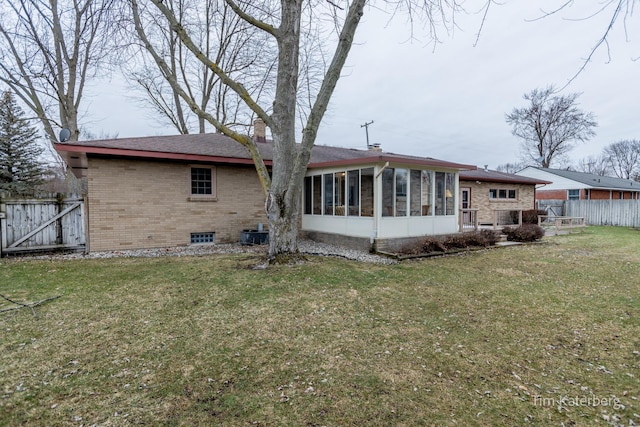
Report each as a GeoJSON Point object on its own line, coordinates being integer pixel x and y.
{"type": "Point", "coordinates": [85, 223]}
{"type": "Point", "coordinates": [3, 224]}
{"type": "Point", "coordinates": [59, 208]}
{"type": "Point", "coordinates": [3, 232]}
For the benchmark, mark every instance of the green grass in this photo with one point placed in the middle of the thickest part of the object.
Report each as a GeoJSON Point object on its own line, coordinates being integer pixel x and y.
{"type": "Point", "coordinates": [509, 336]}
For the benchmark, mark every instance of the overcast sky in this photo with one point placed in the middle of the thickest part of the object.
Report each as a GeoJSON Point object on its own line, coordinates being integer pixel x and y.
{"type": "Point", "coordinates": [450, 103]}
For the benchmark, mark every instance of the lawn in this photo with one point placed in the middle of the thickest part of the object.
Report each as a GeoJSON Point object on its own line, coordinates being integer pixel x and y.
{"type": "Point", "coordinates": [542, 334]}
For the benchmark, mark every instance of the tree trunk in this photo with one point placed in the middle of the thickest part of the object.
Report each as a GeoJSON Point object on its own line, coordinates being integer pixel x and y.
{"type": "Point", "coordinates": [282, 199]}
{"type": "Point", "coordinates": [289, 162]}
{"type": "Point", "coordinates": [283, 228]}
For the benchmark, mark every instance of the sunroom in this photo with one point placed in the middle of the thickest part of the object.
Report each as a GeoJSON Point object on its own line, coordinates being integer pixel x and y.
{"type": "Point", "coordinates": [381, 205]}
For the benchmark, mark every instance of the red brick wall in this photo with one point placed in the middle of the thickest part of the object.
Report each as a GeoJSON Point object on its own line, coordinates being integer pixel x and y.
{"type": "Point", "coordinates": [594, 194]}
{"type": "Point", "coordinates": [599, 195]}
{"type": "Point", "coordinates": [551, 194]}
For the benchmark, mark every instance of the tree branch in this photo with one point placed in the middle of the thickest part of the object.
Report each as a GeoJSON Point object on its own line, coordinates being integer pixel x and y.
{"type": "Point", "coordinates": [326, 89]}
{"type": "Point", "coordinates": [603, 40]}
{"type": "Point", "coordinates": [23, 305]}
{"type": "Point", "coordinates": [245, 140]}
{"type": "Point", "coordinates": [484, 19]}
{"type": "Point", "coordinates": [235, 86]}
{"type": "Point", "coordinates": [250, 19]}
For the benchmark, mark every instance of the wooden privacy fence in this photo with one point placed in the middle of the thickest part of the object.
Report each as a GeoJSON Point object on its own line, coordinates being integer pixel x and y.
{"type": "Point", "coordinates": [623, 213]}
{"type": "Point", "coordinates": [30, 224]}
{"type": "Point", "coordinates": [551, 207]}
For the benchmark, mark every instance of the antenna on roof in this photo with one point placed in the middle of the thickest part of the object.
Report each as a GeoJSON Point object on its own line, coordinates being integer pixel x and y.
{"type": "Point", "coordinates": [366, 129]}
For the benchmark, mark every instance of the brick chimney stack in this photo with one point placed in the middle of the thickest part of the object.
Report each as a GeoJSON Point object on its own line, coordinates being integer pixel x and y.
{"type": "Point", "coordinates": [259, 131]}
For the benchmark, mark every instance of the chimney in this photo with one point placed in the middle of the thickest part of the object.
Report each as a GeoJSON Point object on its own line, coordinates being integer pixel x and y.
{"type": "Point", "coordinates": [486, 168]}
{"type": "Point", "coordinates": [259, 131]}
{"type": "Point", "coordinates": [375, 147]}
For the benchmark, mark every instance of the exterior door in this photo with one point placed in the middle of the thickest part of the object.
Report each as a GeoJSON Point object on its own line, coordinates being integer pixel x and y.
{"type": "Point", "coordinates": [465, 197]}
{"type": "Point", "coordinates": [465, 203]}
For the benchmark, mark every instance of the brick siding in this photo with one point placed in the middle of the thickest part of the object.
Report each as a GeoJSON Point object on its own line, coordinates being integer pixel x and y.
{"type": "Point", "coordinates": [480, 198]}
{"type": "Point", "coordinates": [135, 204]}
{"type": "Point", "coordinates": [594, 194]}
{"type": "Point", "coordinates": [601, 195]}
{"type": "Point", "coordinates": [551, 194]}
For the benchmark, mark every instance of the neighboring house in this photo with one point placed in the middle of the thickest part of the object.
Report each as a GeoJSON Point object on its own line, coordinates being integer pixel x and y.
{"type": "Point", "coordinates": [571, 185]}
{"type": "Point", "coordinates": [186, 189]}
{"type": "Point", "coordinates": [493, 194]}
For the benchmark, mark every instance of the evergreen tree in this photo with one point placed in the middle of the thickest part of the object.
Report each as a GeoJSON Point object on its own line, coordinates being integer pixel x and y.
{"type": "Point", "coordinates": [21, 171]}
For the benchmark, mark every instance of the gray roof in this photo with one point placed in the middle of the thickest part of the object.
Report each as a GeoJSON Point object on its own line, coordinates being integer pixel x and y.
{"type": "Point", "coordinates": [495, 176]}
{"type": "Point", "coordinates": [595, 181]}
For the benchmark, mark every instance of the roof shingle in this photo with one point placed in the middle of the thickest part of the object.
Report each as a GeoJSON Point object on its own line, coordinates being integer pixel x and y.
{"type": "Point", "coordinates": [595, 181]}
{"type": "Point", "coordinates": [495, 176]}
{"type": "Point", "coordinates": [224, 149]}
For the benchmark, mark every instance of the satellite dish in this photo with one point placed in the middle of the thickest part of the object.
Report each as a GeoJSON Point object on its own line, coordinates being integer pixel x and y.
{"type": "Point", "coordinates": [65, 134]}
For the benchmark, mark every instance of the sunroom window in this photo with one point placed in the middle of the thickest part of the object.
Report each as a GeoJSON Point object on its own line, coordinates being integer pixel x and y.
{"type": "Point", "coordinates": [328, 194]}
{"type": "Point", "coordinates": [366, 192]}
{"type": "Point", "coordinates": [353, 186]}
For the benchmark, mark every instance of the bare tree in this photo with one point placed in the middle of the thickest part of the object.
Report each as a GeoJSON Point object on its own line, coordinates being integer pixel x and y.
{"type": "Point", "coordinates": [49, 49]}
{"type": "Point", "coordinates": [597, 165]}
{"type": "Point", "coordinates": [290, 26]}
{"type": "Point", "coordinates": [511, 167]}
{"type": "Point", "coordinates": [616, 10]}
{"type": "Point", "coordinates": [550, 125]}
{"type": "Point", "coordinates": [624, 158]}
{"type": "Point", "coordinates": [234, 45]}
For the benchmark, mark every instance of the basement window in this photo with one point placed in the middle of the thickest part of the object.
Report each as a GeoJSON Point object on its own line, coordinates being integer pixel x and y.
{"type": "Point", "coordinates": [205, 237]}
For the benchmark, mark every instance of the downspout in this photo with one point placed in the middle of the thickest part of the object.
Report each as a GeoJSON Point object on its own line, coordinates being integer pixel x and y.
{"type": "Point", "coordinates": [376, 211]}
{"type": "Point", "coordinates": [535, 196]}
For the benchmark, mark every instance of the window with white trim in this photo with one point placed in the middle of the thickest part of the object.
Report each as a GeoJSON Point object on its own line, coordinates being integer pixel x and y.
{"type": "Point", "coordinates": [573, 194]}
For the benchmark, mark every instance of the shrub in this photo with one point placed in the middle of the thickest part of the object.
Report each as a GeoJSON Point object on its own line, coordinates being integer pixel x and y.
{"type": "Point", "coordinates": [483, 238]}
{"type": "Point", "coordinates": [455, 241]}
{"type": "Point", "coordinates": [432, 245]}
{"type": "Point", "coordinates": [451, 242]}
{"type": "Point", "coordinates": [524, 233]}
{"type": "Point", "coordinates": [531, 216]}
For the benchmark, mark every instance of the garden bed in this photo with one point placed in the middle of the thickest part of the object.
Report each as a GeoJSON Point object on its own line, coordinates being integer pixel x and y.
{"type": "Point", "coordinates": [451, 244]}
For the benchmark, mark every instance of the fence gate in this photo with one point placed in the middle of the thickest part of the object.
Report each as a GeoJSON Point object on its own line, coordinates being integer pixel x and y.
{"type": "Point", "coordinates": [553, 208]}
{"type": "Point", "coordinates": [56, 222]}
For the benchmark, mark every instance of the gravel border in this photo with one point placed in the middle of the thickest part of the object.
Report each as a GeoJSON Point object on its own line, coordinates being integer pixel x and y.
{"type": "Point", "coordinates": [308, 247]}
